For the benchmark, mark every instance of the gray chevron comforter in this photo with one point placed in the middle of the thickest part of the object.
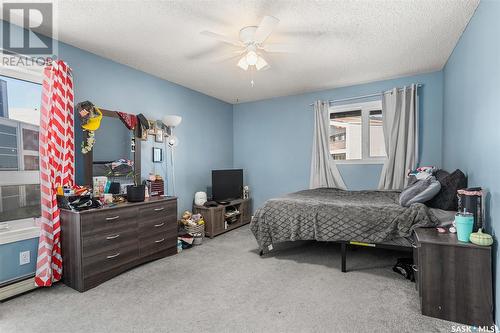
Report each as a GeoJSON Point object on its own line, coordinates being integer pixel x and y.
{"type": "Point", "coordinates": [329, 214]}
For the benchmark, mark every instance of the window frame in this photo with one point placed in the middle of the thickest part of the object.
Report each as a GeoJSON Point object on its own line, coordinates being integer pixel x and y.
{"type": "Point", "coordinates": [365, 108]}
{"type": "Point", "coordinates": [33, 74]}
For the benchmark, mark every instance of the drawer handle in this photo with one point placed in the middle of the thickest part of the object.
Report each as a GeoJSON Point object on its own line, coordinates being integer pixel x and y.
{"type": "Point", "coordinates": [113, 256]}
{"type": "Point", "coordinates": [159, 209]}
{"type": "Point", "coordinates": [113, 237]}
{"type": "Point", "coordinates": [414, 268]}
{"type": "Point", "coordinates": [159, 225]}
{"type": "Point", "coordinates": [160, 240]}
{"type": "Point", "coordinates": [112, 218]}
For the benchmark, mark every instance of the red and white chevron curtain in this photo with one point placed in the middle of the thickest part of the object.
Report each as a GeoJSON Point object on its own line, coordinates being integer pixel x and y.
{"type": "Point", "coordinates": [57, 164]}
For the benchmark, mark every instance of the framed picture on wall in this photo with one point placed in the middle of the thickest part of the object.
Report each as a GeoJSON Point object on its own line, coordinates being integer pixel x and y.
{"type": "Point", "coordinates": [157, 155]}
{"type": "Point", "coordinates": [152, 127]}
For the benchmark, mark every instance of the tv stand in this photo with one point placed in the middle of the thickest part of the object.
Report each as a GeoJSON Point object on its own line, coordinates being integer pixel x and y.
{"type": "Point", "coordinates": [225, 217]}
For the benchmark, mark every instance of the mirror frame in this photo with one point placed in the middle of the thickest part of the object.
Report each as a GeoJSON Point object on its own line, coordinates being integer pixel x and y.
{"type": "Point", "coordinates": [88, 158]}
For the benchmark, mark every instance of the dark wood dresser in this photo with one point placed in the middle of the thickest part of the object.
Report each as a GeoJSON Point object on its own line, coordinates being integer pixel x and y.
{"type": "Point", "coordinates": [454, 279]}
{"type": "Point", "coordinates": [98, 244]}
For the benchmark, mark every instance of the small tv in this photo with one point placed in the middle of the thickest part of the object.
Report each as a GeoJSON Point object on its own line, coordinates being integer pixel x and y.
{"type": "Point", "coordinates": [227, 184]}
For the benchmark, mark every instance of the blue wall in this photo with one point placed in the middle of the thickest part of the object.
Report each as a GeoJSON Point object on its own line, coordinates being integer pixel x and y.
{"type": "Point", "coordinates": [9, 259]}
{"type": "Point", "coordinates": [205, 134]}
{"type": "Point", "coordinates": [273, 138]}
{"type": "Point", "coordinates": [471, 110]}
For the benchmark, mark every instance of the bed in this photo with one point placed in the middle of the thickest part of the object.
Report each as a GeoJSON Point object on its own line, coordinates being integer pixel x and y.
{"type": "Point", "coordinates": [359, 218]}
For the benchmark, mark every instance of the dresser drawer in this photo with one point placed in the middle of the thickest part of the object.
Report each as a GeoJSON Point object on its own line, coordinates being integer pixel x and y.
{"type": "Point", "coordinates": [107, 221]}
{"type": "Point", "coordinates": [110, 259]}
{"type": "Point", "coordinates": [112, 239]}
{"type": "Point", "coordinates": [152, 227]}
{"type": "Point", "coordinates": [165, 208]}
{"type": "Point", "coordinates": [150, 244]}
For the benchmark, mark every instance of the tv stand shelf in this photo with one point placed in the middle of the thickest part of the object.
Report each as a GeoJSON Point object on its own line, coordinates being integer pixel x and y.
{"type": "Point", "coordinates": [215, 217]}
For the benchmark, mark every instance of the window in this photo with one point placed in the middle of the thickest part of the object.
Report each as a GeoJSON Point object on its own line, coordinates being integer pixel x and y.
{"type": "Point", "coordinates": [377, 145]}
{"type": "Point", "coordinates": [356, 133]}
{"type": "Point", "coordinates": [19, 160]}
{"type": "Point", "coordinates": [345, 135]}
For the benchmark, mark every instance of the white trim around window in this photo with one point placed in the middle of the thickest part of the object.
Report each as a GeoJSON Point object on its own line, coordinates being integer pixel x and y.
{"type": "Point", "coordinates": [365, 109]}
{"type": "Point", "coordinates": [18, 230]}
{"type": "Point", "coordinates": [32, 72]}
{"type": "Point", "coordinates": [371, 160]}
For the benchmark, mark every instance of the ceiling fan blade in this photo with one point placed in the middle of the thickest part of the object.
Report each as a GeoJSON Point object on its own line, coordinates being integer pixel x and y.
{"type": "Point", "coordinates": [208, 52]}
{"type": "Point", "coordinates": [221, 38]}
{"type": "Point", "coordinates": [279, 48]}
{"type": "Point", "coordinates": [265, 28]}
{"type": "Point", "coordinates": [228, 57]}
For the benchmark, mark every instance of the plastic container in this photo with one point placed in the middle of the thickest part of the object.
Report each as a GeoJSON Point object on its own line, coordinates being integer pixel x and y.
{"type": "Point", "coordinates": [464, 223]}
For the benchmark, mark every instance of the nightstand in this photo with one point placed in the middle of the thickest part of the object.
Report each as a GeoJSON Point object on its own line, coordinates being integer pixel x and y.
{"type": "Point", "coordinates": [454, 279]}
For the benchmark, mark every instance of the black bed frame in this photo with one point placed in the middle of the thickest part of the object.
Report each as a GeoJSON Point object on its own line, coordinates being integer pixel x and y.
{"type": "Point", "coordinates": [344, 245]}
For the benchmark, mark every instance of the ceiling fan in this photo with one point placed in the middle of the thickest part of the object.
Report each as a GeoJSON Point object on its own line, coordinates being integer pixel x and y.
{"type": "Point", "coordinates": [252, 43]}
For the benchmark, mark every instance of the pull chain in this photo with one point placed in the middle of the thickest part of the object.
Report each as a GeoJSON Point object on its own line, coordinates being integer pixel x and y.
{"type": "Point", "coordinates": [252, 83]}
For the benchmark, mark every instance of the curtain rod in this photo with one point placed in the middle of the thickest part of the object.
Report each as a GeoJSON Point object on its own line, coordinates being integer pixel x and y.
{"type": "Point", "coordinates": [364, 96]}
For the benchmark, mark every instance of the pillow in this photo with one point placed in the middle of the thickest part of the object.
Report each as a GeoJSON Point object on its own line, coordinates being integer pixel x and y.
{"type": "Point", "coordinates": [441, 174]}
{"type": "Point", "coordinates": [446, 199]}
{"type": "Point", "coordinates": [419, 192]}
{"type": "Point", "coordinates": [412, 180]}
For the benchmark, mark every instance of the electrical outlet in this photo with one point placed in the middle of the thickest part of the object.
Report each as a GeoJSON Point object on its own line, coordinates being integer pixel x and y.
{"type": "Point", "coordinates": [24, 257]}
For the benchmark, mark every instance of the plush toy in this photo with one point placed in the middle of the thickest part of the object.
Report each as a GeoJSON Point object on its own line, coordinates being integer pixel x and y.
{"type": "Point", "coordinates": [198, 219]}
{"type": "Point", "coordinates": [187, 215]}
{"type": "Point", "coordinates": [191, 219]}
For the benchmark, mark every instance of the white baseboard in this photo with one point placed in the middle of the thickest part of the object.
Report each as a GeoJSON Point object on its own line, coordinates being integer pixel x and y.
{"type": "Point", "coordinates": [17, 288]}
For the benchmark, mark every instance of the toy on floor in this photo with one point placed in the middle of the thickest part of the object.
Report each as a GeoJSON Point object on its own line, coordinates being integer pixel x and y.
{"type": "Point", "coordinates": [192, 220]}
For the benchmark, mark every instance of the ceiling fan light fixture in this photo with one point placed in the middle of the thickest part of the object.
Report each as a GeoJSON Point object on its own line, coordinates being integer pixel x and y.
{"type": "Point", "coordinates": [261, 64]}
{"type": "Point", "coordinates": [243, 64]}
{"type": "Point", "coordinates": [252, 58]}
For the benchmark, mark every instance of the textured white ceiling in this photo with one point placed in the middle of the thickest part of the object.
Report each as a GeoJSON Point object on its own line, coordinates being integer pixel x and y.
{"type": "Point", "coordinates": [339, 42]}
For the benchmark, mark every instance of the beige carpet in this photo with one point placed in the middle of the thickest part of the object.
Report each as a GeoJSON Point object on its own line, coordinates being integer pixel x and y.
{"type": "Point", "coordinates": [224, 286]}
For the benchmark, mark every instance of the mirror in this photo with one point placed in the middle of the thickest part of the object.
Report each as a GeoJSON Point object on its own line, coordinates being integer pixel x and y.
{"type": "Point", "coordinates": [112, 155]}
